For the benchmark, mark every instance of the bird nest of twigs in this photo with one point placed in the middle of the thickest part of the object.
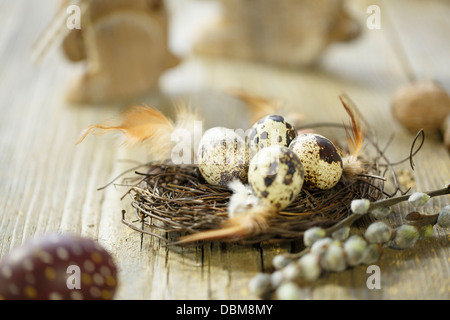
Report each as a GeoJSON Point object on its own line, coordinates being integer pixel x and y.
{"type": "Point", "coordinates": [176, 204]}
{"type": "Point", "coordinates": [173, 199]}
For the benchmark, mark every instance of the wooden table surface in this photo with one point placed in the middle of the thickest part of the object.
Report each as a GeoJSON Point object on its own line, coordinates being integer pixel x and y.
{"type": "Point", "coordinates": [50, 184]}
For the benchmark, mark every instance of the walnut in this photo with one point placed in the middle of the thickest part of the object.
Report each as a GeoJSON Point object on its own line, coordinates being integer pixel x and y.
{"type": "Point", "coordinates": [421, 105]}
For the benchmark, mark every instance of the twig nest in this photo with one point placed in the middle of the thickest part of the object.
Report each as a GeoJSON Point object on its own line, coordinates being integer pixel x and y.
{"type": "Point", "coordinates": [222, 156]}
{"type": "Point", "coordinates": [276, 176]}
{"type": "Point", "coordinates": [268, 131]}
{"type": "Point", "coordinates": [421, 105]}
{"type": "Point", "coordinates": [321, 160]}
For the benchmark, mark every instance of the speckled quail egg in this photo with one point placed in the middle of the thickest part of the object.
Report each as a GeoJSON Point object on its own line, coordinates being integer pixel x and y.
{"type": "Point", "coordinates": [270, 130]}
{"type": "Point", "coordinates": [321, 160]}
{"type": "Point", "coordinates": [276, 176]}
{"type": "Point", "coordinates": [222, 156]}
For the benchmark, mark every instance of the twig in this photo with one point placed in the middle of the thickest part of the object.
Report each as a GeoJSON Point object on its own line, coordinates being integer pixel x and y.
{"type": "Point", "coordinates": [416, 219]}
{"type": "Point", "coordinates": [381, 203]}
{"type": "Point", "coordinates": [123, 173]}
{"type": "Point", "coordinates": [391, 201]}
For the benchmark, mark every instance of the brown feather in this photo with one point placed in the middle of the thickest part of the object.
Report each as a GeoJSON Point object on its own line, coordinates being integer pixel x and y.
{"type": "Point", "coordinates": [352, 164]}
{"type": "Point", "coordinates": [356, 134]}
{"type": "Point", "coordinates": [252, 222]}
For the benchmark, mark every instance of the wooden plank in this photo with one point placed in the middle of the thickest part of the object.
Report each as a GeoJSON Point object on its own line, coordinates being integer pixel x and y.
{"type": "Point", "coordinates": [422, 36]}
{"type": "Point", "coordinates": [51, 185]}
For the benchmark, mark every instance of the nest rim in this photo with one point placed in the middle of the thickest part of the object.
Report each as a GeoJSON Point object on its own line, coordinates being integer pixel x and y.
{"type": "Point", "coordinates": [174, 200]}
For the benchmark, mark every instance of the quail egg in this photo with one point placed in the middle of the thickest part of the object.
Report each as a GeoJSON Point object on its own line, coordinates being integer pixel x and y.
{"type": "Point", "coordinates": [270, 130]}
{"type": "Point", "coordinates": [276, 176]}
{"type": "Point", "coordinates": [321, 160]}
{"type": "Point", "coordinates": [222, 156]}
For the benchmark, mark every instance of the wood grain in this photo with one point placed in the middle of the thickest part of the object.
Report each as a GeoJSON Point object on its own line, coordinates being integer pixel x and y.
{"type": "Point", "coordinates": [49, 184]}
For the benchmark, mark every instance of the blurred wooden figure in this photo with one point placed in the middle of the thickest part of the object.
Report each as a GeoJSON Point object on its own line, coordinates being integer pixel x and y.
{"type": "Point", "coordinates": [283, 32]}
{"type": "Point", "coordinates": [124, 44]}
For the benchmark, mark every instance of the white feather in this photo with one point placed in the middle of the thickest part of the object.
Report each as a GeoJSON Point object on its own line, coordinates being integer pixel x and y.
{"type": "Point", "coordinates": [242, 199]}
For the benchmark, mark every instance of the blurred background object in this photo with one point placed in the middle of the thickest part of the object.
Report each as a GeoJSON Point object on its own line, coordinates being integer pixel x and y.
{"type": "Point", "coordinates": [124, 45]}
{"type": "Point", "coordinates": [445, 129]}
{"type": "Point", "coordinates": [285, 32]}
{"type": "Point", "coordinates": [421, 105]}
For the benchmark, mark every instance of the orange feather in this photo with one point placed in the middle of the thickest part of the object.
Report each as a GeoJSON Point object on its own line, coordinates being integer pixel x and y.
{"type": "Point", "coordinates": [139, 124]}
{"type": "Point", "coordinates": [142, 124]}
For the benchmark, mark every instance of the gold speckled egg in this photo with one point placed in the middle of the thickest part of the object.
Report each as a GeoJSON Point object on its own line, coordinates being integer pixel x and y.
{"type": "Point", "coordinates": [270, 130]}
{"type": "Point", "coordinates": [276, 176]}
{"type": "Point", "coordinates": [222, 156]}
{"type": "Point", "coordinates": [320, 159]}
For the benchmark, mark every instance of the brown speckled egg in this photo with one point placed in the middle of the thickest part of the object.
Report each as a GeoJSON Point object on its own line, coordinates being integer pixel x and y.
{"type": "Point", "coordinates": [276, 176]}
{"type": "Point", "coordinates": [320, 159]}
{"type": "Point", "coordinates": [222, 156]}
{"type": "Point", "coordinates": [270, 130]}
{"type": "Point", "coordinates": [58, 267]}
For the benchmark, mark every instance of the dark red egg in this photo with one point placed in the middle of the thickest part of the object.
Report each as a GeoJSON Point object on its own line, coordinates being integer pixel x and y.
{"type": "Point", "coordinates": [58, 266]}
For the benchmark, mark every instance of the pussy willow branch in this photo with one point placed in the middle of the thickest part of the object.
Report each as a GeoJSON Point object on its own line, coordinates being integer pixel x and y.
{"type": "Point", "coordinates": [383, 203]}
{"type": "Point", "coordinates": [373, 205]}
